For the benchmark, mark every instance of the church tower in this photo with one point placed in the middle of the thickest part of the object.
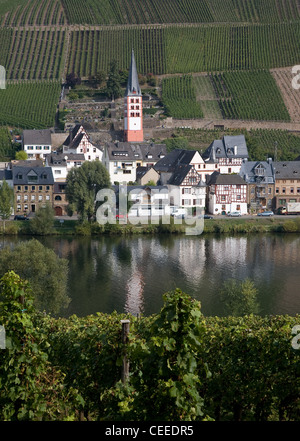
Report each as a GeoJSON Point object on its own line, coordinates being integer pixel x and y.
{"type": "Point", "coordinates": [133, 112]}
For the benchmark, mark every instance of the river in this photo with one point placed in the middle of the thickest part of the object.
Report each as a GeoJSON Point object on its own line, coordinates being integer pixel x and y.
{"type": "Point", "coordinates": [130, 274]}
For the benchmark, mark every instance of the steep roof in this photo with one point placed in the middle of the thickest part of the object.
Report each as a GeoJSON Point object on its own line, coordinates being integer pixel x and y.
{"type": "Point", "coordinates": [62, 158]}
{"type": "Point", "coordinates": [37, 137]}
{"type": "Point", "coordinates": [173, 159]}
{"type": "Point", "coordinates": [180, 174]}
{"type": "Point", "coordinates": [249, 170]}
{"type": "Point", "coordinates": [217, 178]}
{"type": "Point", "coordinates": [287, 169]}
{"type": "Point", "coordinates": [21, 175]}
{"type": "Point", "coordinates": [228, 147]}
{"type": "Point", "coordinates": [133, 87]}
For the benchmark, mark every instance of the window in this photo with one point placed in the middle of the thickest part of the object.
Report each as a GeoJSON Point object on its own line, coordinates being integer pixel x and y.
{"type": "Point", "coordinates": [18, 197]}
{"type": "Point", "coordinates": [33, 187]}
{"type": "Point", "coordinates": [47, 197]}
{"type": "Point", "coordinates": [292, 190]}
{"type": "Point", "coordinates": [283, 190]}
{"type": "Point", "coordinates": [19, 188]}
{"type": "Point", "coordinates": [58, 198]}
{"type": "Point", "coordinates": [25, 197]}
{"type": "Point", "coordinates": [40, 197]}
{"type": "Point", "coordinates": [238, 197]}
{"type": "Point", "coordinates": [57, 172]}
{"type": "Point", "coordinates": [229, 170]}
{"type": "Point", "coordinates": [186, 191]}
{"type": "Point", "coordinates": [126, 172]}
{"type": "Point", "coordinates": [298, 190]}
{"type": "Point", "coordinates": [26, 188]}
{"type": "Point", "coordinates": [40, 187]}
{"type": "Point", "coordinates": [277, 190]}
{"type": "Point", "coordinates": [47, 187]}
{"type": "Point", "coordinates": [223, 198]}
{"type": "Point", "coordinates": [94, 149]}
{"type": "Point", "coordinates": [33, 197]}
{"type": "Point", "coordinates": [46, 147]}
{"type": "Point", "coordinates": [238, 207]}
{"type": "Point", "coordinates": [20, 176]}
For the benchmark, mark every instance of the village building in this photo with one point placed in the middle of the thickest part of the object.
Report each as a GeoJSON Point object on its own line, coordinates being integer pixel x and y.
{"type": "Point", "coordinates": [226, 193]}
{"type": "Point", "coordinates": [37, 143]}
{"type": "Point", "coordinates": [226, 155]}
{"type": "Point", "coordinates": [179, 169]}
{"type": "Point", "coordinates": [144, 175]}
{"type": "Point", "coordinates": [59, 200]}
{"type": "Point", "coordinates": [33, 187]}
{"type": "Point", "coordinates": [79, 142]}
{"type": "Point", "coordinates": [122, 159]}
{"type": "Point", "coordinates": [287, 182]}
{"type": "Point", "coordinates": [61, 163]}
{"type": "Point", "coordinates": [260, 179]}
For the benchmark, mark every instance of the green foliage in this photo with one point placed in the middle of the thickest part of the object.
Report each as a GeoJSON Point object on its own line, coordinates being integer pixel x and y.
{"type": "Point", "coordinates": [176, 142]}
{"type": "Point", "coordinates": [6, 200]}
{"type": "Point", "coordinates": [29, 105]}
{"type": "Point", "coordinates": [113, 84]}
{"type": "Point", "coordinates": [179, 98]}
{"type": "Point", "coordinates": [21, 155]}
{"type": "Point", "coordinates": [249, 95]}
{"type": "Point", "coordinates": [183, 366]}
{"type": "Point", "coordinates": [178, 11]}
{"type": "Point", "coordinates": [45, 271]}
{"type": "Point", "coordinates": [83, 184]}
{"type": "Point", "coordinates": [30, 388]}
{"type": "Point", "coordinates": [42, 223]}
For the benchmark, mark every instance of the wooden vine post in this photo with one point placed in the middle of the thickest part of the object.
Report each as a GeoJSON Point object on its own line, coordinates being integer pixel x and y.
{"type": "Point", "coordinates": [125, 367]}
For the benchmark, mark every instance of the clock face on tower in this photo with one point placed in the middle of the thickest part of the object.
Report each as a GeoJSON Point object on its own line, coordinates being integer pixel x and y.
{"type": "Point", "coordinates": [134, 123]}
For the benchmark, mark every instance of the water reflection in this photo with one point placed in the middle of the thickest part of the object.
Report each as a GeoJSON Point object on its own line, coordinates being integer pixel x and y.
{"type": "Point", "coordinates": [130, 274]}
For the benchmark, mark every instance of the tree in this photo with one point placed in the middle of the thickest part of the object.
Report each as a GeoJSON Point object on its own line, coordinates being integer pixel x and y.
{"type": "Point", "coordinates": [72, 80]}
{"type": "Point", "coordinates": [113, 85]}
{"type": "Point", "coordinates": [6, 201]}
{"type": "Point", "coordinates": [21, 155]}
{"type": "Point", "coordinates": [42, 223]}
{"type": "Point", "coordinates": [45, 271]}
{"type": "Point", "coordinates": [83, 184]}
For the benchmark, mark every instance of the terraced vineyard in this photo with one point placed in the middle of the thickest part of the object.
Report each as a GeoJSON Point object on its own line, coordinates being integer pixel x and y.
{"type": "Point", "coordinates": [249, 95]}
{"type": "Point", "coordinates": [29, 105]}
{"type": "Point", "coordinates": [179, 97]}
{"type": "Point", "coordinates": [33, 12]}
{"type": "Point", "coordinates": [179, 11]}
{"type": "Point", "coordinates": [47, 39]}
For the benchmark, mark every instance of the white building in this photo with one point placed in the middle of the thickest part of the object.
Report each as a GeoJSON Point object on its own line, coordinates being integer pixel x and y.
{"type": "Point", "coordinates": [62, 163]}
{"type": "Point", "coordinates": [37, 143]}
{"type": "Point", "coordinates": [79, 142]}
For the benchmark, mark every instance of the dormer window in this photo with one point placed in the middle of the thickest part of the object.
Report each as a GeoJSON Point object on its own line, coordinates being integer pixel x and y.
{"type": "Point", "coordinates": [20, 176]}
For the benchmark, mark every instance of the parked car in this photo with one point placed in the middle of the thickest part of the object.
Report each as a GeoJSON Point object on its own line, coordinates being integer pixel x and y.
{"type": "Point", "coordinates": [178, 212]}
{"type": "Point", "coordinates": [20, 217]}
{"type": "Point", "coordinates": [266, 213]}
{"type": "Point", "coordinates": [207, 216]}
{"type": "Point", "coordinates": [179, 216]}
{"type": "Point", "coordinates": [234, 214]}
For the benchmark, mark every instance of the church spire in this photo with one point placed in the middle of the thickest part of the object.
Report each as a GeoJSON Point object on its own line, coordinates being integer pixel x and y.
{"type": "Point", "coordinates": [133, 87]}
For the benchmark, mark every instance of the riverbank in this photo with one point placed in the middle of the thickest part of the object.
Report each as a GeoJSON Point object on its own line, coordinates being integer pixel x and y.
{"type": "Point", "coordinates": [216, 225]}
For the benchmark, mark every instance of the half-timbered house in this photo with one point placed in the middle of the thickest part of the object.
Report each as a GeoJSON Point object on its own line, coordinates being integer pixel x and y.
{"type": "Point", "coordinates": [227, 193]}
